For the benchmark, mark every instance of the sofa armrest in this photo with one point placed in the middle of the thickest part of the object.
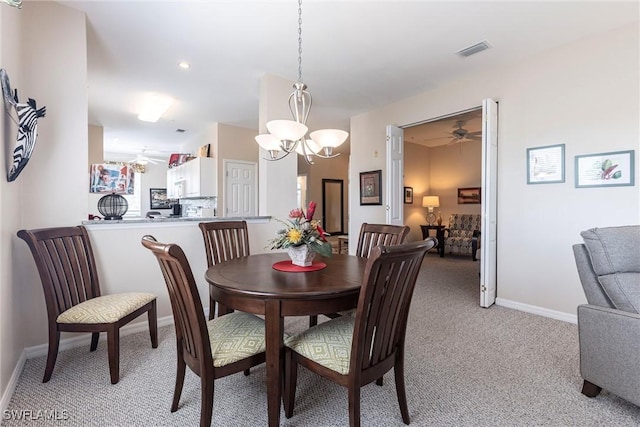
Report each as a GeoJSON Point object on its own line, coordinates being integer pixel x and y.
{"type": "Point", "coordinates": [610, 349]}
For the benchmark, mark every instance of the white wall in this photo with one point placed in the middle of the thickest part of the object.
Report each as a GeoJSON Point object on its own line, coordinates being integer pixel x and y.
{"type": "Point", "coordinates": [44, 50]}
{"type": "Point", "coordinates": [585, 95]}
{"type": "Point", "coordinates": [124, 265]}
{"type": "Point", "coordinates": [10, 195]}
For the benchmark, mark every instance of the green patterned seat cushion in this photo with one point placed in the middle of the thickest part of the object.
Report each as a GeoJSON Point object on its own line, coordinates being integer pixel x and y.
{"type": "Point", "coordinates": [235, 336]}
{"type": "Point", "coordinates": [106, 308]}
{"type": "Point", "coordinates": [328, 344]}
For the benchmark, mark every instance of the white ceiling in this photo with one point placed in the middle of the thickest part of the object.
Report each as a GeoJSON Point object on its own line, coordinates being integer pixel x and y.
{"type": "Point", "coordinates": [357, 55]}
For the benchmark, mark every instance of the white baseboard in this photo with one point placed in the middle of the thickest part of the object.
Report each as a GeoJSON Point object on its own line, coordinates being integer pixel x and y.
{"type": "Point", "coordinates": [545, 312]}
{"type": "Point", "coordinates": [13, 381]}
{"type": "Point", "coordinates": [85, 338]}
{"type": "Point", "coordinates": [67, 343]}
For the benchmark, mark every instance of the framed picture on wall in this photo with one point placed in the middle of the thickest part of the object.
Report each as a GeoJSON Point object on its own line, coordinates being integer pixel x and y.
{"type": "Point", "coordinates": [469, 196]}
{"type": "Point", "coordinates": [613, 169]}
{"type": "Point", "coordinates": [545, 165]}
{"type": "Point", "coordinates": [371, 188]}
{"type": "Point", "coordinates": [408, 195]}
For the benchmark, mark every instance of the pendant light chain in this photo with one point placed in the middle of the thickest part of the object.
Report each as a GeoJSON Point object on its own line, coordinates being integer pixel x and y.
{"type": "Point", "coordinates": [289, 136]}
{"type": "Point", "coordinates": [300, 41]}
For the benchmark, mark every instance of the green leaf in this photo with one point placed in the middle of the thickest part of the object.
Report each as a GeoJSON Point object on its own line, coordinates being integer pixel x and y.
{"type": "Point", "coordinates": [606, 164]}
{"type": "Point", "coordinates": [323, 249]}
{"type": "Point", "coordinates": [617, 175]}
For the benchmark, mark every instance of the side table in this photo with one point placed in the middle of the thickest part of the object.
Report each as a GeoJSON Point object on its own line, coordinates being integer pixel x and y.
{"type": "Point", "coordinates": [343, 241]}
{"type": "Point", "coordinates": [439, 235]}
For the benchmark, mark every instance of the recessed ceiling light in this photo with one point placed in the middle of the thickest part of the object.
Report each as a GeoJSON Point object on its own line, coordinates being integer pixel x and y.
{"type": "Point", "coordinates": [184, 65]}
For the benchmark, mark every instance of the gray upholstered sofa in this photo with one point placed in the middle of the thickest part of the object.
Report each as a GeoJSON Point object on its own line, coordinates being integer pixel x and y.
{"type": "Point", "coordinates": [609, 325]}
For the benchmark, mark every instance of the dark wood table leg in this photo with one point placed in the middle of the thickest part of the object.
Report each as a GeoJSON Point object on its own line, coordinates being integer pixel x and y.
{"type": "Point", "coordinates": [223, 309]}
{"type": "Point", "coordinates": [440, 237]}
{"type": "Point", "coordinates": [275, 363]}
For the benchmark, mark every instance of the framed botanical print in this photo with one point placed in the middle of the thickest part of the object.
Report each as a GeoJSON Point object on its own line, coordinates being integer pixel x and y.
{"type": "Point", "coordinates": [371, 188]}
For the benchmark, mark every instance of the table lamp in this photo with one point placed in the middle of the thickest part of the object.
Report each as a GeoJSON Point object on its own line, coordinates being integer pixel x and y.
{"type": "Point", "coordinates": [430, 202]}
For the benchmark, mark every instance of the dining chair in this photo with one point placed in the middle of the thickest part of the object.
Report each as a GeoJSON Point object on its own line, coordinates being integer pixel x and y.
{"type": "Point", "coordinates": [223, 241]}
{"type": "Point", "coordinates": [353, 352]}
{"type": "Point", "coordinates": [371, 235]}
{"type": "Point", "coordinates": [212, 349]}
{"type": "Point", "coordinates": [64, 259]}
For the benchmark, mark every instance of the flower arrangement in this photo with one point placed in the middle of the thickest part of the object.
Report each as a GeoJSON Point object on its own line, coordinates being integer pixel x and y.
{"type": "Point", "coordinates": [301, 229]}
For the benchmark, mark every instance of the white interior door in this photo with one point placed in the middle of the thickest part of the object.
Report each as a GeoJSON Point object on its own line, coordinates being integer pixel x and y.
{"type": "Point", "coordinates": [488, 255]}
{"type": "Point", "coordinates": [395, 169]}
{"type": "Point", "coordinates": [241, 195]}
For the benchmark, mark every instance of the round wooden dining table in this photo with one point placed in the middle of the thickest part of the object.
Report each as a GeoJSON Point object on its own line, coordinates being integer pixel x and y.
{"type": "Point", "coordinates": [251, 284]}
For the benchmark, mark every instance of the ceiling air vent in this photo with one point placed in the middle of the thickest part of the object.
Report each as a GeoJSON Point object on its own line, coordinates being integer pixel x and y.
{"type": "Point", "coordinates": [472, 50]}
{"type": "Point", "coordinates": [180, 130]}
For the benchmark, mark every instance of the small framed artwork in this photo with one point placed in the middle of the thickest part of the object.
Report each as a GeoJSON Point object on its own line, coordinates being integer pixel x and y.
{"type": "Point", "coordinates": [158, 198]}
{"type": "Point", "coordinates": [469, 196]}
{"type": "Point", "coordinates": [613, 169]}
{"type": "Point", "coordinates": [203, 151]}
{"type": "Point", "coordinates": [408, 195]}
{"type": "Point", "coordinates": [545, 165]}
{"type": "Point", "coordinates": [371, 188]}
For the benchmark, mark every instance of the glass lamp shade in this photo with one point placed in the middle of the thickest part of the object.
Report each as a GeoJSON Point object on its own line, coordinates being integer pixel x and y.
{"type": "Point", "coordinates": [113, 206]}
{"type": "Point", "coordinates": [286, 130]}
{"type": "Point", "coordinates": [268, 142]}
{"type": "Point", "coordinates": [329, 137]}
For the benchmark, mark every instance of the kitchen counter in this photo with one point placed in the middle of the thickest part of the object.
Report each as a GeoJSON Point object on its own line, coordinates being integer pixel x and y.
{"type": "Point", "coordinates": [99, 223]}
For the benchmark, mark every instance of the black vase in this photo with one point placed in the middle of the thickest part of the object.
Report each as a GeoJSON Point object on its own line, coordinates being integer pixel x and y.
{"type": "Point", "coordinates": [113, 206]}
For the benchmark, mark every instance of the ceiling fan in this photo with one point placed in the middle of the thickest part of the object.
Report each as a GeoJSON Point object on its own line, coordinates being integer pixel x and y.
{"type": "Point", "coordinates": [460, 134]}
{"type": "Point", "coordinates": [141, 159]}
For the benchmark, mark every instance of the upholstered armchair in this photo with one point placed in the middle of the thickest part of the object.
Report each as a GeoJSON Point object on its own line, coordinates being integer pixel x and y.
{"type": "Point", "coordinates": [608, 326]}
{"type": "Point", "coordinates": [459, 236]}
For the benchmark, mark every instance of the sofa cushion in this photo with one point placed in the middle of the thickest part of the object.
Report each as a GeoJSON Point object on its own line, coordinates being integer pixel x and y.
{"type": "Point", "coordinates": [615, 257]}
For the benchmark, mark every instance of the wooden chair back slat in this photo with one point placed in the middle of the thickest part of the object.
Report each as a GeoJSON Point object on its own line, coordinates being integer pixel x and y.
{"type": "Point", "coordinates": [225, 240]}
{"type": "Point", "coordinates": [383, 305]}
{"type": "Point", "coordinates": [191, 328]}
{"type": "Point", "coordinates": [372, 235]}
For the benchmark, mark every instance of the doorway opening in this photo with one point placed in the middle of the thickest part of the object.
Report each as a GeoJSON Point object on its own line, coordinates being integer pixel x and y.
{"type": "Point", "coordinates": [446, 172]}
{"type": "Point", "coordinates": [332, 206]}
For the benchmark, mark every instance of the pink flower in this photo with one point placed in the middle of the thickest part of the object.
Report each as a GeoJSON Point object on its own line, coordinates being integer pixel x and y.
{"type": "Point", "coordinates": [311, 210]}
{"type": "Point", "coordinates": [296, 213]}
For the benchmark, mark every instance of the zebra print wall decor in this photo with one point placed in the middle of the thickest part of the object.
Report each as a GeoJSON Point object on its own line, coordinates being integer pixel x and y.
{"type": "Point", "coordinates": [14, 3]}
{"type": "Point", "coordinates": [28, 115]}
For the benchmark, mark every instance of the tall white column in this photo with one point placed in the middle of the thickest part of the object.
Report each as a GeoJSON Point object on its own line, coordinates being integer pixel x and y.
{"type": "Point", "coordinates": [277, 189]}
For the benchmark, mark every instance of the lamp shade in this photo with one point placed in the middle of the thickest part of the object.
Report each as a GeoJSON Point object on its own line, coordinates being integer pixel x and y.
{"type": "Point", "coordinates": [268, 142]}
{"type": "Point", "coordinates": [430, 201]}
{"type": "Point", "coordinates": [329, 137]}
{"type": "Point", "coordinates": [286, 130]}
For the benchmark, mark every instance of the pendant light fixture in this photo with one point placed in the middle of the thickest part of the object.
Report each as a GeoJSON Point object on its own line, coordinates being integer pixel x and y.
{"type": "Point", "coordinates": [288, 136]}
